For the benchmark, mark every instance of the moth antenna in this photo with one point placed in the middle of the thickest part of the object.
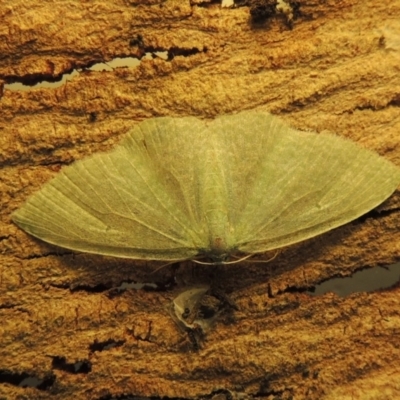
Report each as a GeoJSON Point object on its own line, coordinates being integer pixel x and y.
{"type": "Point", "coordinates": [265, 261]}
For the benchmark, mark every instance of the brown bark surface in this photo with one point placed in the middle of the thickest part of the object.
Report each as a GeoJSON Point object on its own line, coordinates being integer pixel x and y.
{"type": "Point", "coordinates": [338, 69]}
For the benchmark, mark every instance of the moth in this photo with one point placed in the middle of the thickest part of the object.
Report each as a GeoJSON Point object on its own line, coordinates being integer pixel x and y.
{"type": "Point", "coordinates": [186, 188]}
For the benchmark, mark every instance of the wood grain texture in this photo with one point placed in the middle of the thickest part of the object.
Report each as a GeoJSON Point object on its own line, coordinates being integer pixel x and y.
{"type": "Point", "coordinates": [337, 70]}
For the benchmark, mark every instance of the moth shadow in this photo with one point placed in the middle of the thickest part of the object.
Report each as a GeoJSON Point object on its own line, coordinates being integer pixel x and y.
{"type": "Point", "coordinates": [264, 267]}
{"type": "Point", "coordinates": [103, 273]}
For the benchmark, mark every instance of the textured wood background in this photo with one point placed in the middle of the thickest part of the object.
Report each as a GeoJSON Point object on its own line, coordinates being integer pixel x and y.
{"type": "Point", "coordinates": [62, 322]}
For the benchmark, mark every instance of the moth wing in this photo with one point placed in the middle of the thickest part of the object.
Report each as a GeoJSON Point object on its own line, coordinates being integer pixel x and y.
{"type": "Point", "coordinates": [123, 203]}
{"type": "Point", "coordinates": [296, 185]}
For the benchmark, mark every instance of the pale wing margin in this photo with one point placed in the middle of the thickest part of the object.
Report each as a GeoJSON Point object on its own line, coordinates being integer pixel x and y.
{"type": "Point", "coordinates": [310, 184]}
{"type": "Point", "coordinates": [114, 204]}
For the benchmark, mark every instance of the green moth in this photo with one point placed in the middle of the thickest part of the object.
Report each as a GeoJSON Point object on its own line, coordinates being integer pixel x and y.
{"type": "Point", "coordinates": [185, 188]}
